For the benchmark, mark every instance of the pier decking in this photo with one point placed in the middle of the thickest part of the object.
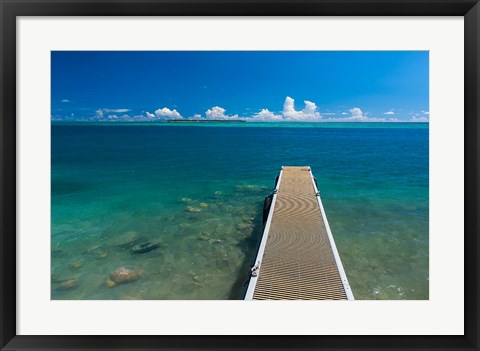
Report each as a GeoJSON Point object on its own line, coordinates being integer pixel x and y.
{"type": "Point", "coordinates": [297, 258]}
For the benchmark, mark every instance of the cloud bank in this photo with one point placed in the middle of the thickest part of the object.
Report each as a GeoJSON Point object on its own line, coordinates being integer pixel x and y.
{"type": "Point", "coordinates": [357, 115]}
{"type": "Point", "coordinates": [109, 113]}
{"type": "Point", "coordinates": [289, 113]}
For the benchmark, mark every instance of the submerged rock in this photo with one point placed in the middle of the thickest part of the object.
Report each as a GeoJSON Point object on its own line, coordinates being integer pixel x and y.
{"type": "Point", "coordinates": [203, 204]}
{"type": "Point", "coordinates": [92, 249]}
{"type": "Point", "coordinates": [204, 236]}
{"type": "Point", "coordinates": [76, 264]}
{"type": "Point", "coordinates": [193, 209]}
{"type": "Point", "coordinates": [250, 188]}
{"type": "Point", "coordinates": [110, 283]}
{"type": "Point", "coordinates": [186, 199]}
{"type": "Point", "coordinates": [123, 275]}
{"type": "Point", "coordinates": [243, 226]}
{"type": "Point", "coordinates": [144, 247]}
{"type": "Point", "coordinates": [68, 284]}
{"type": "Point", "coordinates": [125, 240]}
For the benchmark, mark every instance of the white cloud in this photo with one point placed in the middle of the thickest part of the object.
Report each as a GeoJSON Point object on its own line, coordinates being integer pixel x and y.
{"type": "Point", "coordinates": [266, 115]}
{"type": "Point", "coordinates": [309, 112]}
{"type": "Point", "coordinates": [150, 115]}
{"type": "Point", "coordinates": [218, 112]}
{"type": "Point", "coordinates": [115, 110]}
{"type": "Point", "coordinates": [65, 100]}
{"type": "Point", "coordinates": [357, 115]}
{"type": "Point", "coordinates": [99, 114]}
{"type": "Point", "coordinates": [419, 119]}
{"type": "Point", "coordinates": [389, 113]}
{"type": "Point", "coordinates": [166, 113]}
{"type": "Point", "coordinates": [125, 117]}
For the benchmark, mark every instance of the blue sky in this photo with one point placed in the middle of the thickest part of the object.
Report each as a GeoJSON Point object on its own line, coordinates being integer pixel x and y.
{"type": "Point", "coordinates": [320, 86]}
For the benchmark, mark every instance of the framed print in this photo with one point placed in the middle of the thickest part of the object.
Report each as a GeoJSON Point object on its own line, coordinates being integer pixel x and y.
{"type": "Point", "coordinates": [164, 163]}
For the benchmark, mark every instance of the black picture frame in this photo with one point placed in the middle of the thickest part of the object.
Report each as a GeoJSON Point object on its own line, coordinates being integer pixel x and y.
{"type": "Point", "coordinates": [10, 10]}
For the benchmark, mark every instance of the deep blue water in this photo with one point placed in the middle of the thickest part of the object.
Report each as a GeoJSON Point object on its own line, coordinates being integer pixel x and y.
{"type": "Point", "coordinates": [197, 191]}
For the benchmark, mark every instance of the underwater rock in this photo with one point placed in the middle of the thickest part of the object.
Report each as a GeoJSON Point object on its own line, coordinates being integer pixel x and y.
{"type": "Point", "coordinates": [68, 284]}
{"type": "Point", "coordinates": [215, 241]}
{"type": "Point", "coordinates": [102, 255]}
{"type": "Point", "coordinates": [92, 249]}
{"type": "Point", "coordinates": [123, 275]}
{"type": "Point", "coordinates": [144, 247]}
{"type": "Point", "coordinates": [125, 240]}
{"type": "Point", "coordinates": [221, 259]}
{"type": "Point", "coordinates": [193, 209]}
{"type": "Point", "coordinates": [110, 283]}
{"type": "Point", "coordinates": [76, 264]}
{"type": "Point", "coordinates": [218, 193]}
{"type": "Point", "coordinates": [186, 199]}
{"type": "Point", "coordinates": [250, 188]}
{"type": "Point", "coordinates": [204, 236]}
{"type": "Point", "coordinates": [203, 205]}
{"type": "Point", "coordinates": [243, 226]}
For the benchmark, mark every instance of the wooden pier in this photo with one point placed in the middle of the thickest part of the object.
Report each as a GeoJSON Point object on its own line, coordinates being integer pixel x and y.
{"type": "Point", "coordinates": [297, 258]}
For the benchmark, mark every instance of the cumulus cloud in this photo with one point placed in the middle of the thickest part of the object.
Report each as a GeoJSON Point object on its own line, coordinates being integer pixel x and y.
{"type": "Point", "coordinates": [356, 114]}
{"type": "Point", "coordinates": [99, 114]}
{"type": "Point", "coordinates": [266, 115]}
{"type": "Point", "coordinates": [389, 113]}
{"type": "Point", "coordinates": [65, 100]}
{"type": "Point", "coordinates": [166, 113]}
{"type": "Point", "coordinates": [218, 112]}
{"type": "Point", "coordinates": [150, 115]}
{"type": "Point", "coordinates": [309, 112]}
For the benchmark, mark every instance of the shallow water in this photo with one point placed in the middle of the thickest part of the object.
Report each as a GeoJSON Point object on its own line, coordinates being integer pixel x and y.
{"type": "Point", "coordinates": [197, 191]}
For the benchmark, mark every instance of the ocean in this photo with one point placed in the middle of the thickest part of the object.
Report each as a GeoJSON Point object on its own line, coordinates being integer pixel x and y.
{"type": "Point", "coordinates": [192, 196]}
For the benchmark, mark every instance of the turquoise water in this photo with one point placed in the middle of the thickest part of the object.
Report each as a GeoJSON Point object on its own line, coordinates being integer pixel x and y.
{"type": "Point", "coordinates": [196, 191]}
